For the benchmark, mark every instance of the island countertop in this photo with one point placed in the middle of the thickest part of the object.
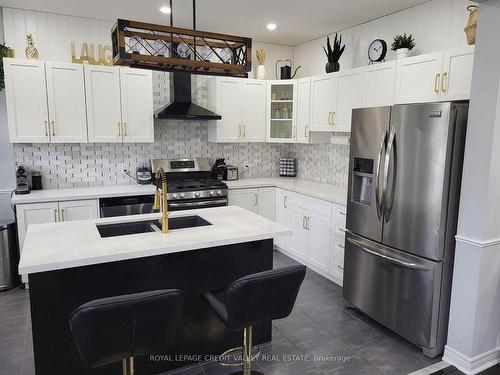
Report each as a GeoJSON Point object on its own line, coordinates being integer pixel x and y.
{"type": "Point", "coordinates": [56, 246]}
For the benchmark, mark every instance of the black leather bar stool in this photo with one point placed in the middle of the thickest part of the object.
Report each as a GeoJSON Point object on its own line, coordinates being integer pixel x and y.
{"type": "Point", "coordinates": [118, 328]}
{"type": "Point", "coordinates": [253, 299]}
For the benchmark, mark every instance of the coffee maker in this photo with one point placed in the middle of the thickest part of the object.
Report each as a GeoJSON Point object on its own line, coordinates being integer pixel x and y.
{"type": "Point", "coordinates": [22, 181]}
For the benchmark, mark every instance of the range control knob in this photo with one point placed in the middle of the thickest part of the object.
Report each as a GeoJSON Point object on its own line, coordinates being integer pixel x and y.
{"type": "Point", "coordinates": [182, 195]}
{"type": "Point", "coordinates": [196, 194]}
{"type": "Point", "coordinates": [219, 192]}
{"type": "Point", "coordinates": [175, 196]}
{"type": "Point", "coordinates": [212, 193]}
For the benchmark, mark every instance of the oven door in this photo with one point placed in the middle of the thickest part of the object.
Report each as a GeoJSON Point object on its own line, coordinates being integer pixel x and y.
{"type": "Point", "coordinates": [191, 204]}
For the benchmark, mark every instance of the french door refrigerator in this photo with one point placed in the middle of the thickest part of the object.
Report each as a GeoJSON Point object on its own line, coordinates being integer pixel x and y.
{"type": "Point", "coordinates": [404, 185]}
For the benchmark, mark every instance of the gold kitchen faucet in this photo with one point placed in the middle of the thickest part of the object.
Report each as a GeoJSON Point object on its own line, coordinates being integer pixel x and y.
{"type": "Point", "coordinates": [160, 202]}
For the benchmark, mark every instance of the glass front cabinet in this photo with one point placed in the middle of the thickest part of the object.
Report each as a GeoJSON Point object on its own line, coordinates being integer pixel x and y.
{"type": "Point", "coordinates": [281, 111]}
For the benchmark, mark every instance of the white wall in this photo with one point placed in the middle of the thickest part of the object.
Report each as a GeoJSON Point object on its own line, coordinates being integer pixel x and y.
{"type": "Point", "coordinates": [474, 325]}
{"type": "Point", "coordinates": [436, 25]}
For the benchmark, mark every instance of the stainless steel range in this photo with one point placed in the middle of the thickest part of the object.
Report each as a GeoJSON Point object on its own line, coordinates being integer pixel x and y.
{"type": "Point", "coordinates": [190, 184]}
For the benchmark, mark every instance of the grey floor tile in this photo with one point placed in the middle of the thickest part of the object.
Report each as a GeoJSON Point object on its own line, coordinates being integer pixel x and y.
{"type": "Point", "coordinates": [353, 365]}
{"type": "Point", "coordinates": [392, 357]}
{"type": "Point", "coordinates": [297, 324]}
{"type": "Point", "coordinates": [357, 334]}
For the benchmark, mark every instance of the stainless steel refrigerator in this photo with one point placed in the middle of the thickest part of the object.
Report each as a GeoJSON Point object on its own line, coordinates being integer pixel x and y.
{"type": "Point", "coordinates": [404, 185]}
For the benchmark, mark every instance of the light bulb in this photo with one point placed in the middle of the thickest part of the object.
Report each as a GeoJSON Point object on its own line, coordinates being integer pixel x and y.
{"type": "Point", "coordinates": [135, 43]}
{"type": "Point", "coordinates": [160, 47]}
{"type": "Point", "coordinates": [226, 54]}
{"type": "Point", "coordinates": [206, 52]}
{"type": "Point", "coordinates": [183, 50]}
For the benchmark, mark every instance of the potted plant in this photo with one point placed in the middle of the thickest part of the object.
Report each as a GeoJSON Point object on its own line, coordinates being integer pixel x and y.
{"type": "Point", "coordinates": [403, 44]}
{"type": "Point", "coordinates": [4, 52]}
{"type": "Point", "coordinates": [333, 55]}
{"type": "Point", "coordinates": [261, 58]}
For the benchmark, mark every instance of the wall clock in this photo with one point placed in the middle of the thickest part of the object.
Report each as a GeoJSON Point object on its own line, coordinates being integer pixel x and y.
{"type": "Point", "coordinates": [377, 50]}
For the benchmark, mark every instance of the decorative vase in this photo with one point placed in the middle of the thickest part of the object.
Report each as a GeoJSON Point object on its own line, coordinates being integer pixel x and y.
{"type": "Point", "coordinates": [30, 51]}
{"type": "Point", "coordinates": [470, 29]}
{"type": "Point", "coordinates": [261, 72]}
{"type": "Point", "coordinates": [401, 53]}
{"type": "Point", "coordinates": [332, 67]}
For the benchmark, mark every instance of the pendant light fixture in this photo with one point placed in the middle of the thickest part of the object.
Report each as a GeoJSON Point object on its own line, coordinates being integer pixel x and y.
{"type": "Point", "coordinates": [174, 49]}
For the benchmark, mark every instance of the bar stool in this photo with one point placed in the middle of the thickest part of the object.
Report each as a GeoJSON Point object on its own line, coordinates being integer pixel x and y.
{"type": "Point", "coordinates": [118, 328]}
{"type": "Point", "coordinates": [254, 299]}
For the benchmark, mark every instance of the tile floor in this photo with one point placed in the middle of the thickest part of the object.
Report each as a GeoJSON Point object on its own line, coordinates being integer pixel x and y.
{"type": "Point", "coordinates": [320, 337]}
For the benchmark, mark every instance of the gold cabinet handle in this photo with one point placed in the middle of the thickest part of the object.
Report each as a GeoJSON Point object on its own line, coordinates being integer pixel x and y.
{"type": "Point", "coordinates": [46, 128]}
{"type": "Point", "coordinates": [239, 131]}
{"type": "Point", "coordinates": [443, 82]}
{"type": "Point", "coordinates": [62, 214]}
{"type": "Point", "coordinates": [256, 199]}
{"type": "Point", "coordinates": [306, 131]}
{"type": "Point", "coordinates": [56, 219]}
{"type": "Point", "coordinates": [304, 222]}
{"type": "Point", "coordinates": [244, 131]}
{"type": "Point", "coordinates": [119, 129]}
{"type": "Point", "coordinates": [308, 219]}
{"type": "Point", "coordinates": [341, 246]}
{"type": "Point", "coordinates": [436, 83]}
{"type": "Point", "coordinates": [294, 132]}
{"type": "Point", "coordinates": [333, 118]}
{"type": "Point", "coordinates": [125, 131]}
{"type": "Point", "coordinates": [285, 198]}
{"type": "Point", "coordinates": [341, 268]}
{"type": "Point", "coordinates": [53, 126]}
{"type": "Point", "coordinates": [330, 118]}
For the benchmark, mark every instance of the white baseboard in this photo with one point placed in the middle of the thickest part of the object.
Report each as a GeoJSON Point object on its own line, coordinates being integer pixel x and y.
{"type": "Point", "coordinates": [471, 366]}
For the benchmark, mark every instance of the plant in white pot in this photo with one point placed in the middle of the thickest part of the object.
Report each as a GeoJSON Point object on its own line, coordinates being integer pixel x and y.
{"type": "Point", "coordinates": [261, 58]}
{"type": "Point", "coordinates": [403, 44]}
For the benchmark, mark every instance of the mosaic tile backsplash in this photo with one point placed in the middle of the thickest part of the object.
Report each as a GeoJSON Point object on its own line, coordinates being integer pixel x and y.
{"type": "Point", "coordinates": [90, 164]}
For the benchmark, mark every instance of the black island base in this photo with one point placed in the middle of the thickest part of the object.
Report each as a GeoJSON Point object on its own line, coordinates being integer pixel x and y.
{"type": "Point", "coordinates": [201, 336]}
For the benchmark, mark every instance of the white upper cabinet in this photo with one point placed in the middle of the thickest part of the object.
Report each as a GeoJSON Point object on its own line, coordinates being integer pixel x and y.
{"type": "Point", "coordinates": [66, 102]}
{"type": "Point", "coordinates": [137, 105]}
{"type": "Point", "coordinates": [378, 83]}
{"type": "Point", "coordinates": [225, 99]}
{"type": "Point", "coordinates": [349, 86]}
{"type": "Point", "coordinates": [323, 102]}
{"type": "Point", "coordinates": [457, 73]}
{"type": "Point", "coordinates": [281, 111]}
{"type": "Point", "coordinates": [418, 78]}
{"type": "Point", "coordinates": [303, 109]}
{"type": "Point", "coordinates": [253, 110]}
{"type": "Point", "coordinates": [26, 101]}
{"type": "Point", "coordinates": [102, 89]}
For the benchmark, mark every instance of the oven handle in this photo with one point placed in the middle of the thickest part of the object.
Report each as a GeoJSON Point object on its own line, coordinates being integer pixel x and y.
{"type": "Point", "coordinates": [196, 204]}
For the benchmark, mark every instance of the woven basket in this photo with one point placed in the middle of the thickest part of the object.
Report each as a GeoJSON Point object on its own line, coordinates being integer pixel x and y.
{"type": "Point", "coordinates": [470, 32]}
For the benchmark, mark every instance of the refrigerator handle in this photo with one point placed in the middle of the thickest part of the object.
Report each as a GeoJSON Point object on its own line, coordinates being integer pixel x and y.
{"type": "Point", "coordinates": [379, 200]}
{"type": "Point", "coordinates": [389, 198]}
{"type": "Point", "coordinates": [399, 262]}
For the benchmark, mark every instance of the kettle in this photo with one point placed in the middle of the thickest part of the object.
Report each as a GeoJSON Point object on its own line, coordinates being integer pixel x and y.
{"type": "Point", "coordinates": [286, 70]}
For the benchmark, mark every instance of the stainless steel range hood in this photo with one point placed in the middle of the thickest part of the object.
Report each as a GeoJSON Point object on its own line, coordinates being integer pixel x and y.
{"type": "Point", "coordinates": [181, 108]}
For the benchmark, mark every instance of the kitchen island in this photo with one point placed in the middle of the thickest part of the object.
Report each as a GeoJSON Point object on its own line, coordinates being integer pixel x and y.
{"type": "Point", "coordinates": [69, 263]}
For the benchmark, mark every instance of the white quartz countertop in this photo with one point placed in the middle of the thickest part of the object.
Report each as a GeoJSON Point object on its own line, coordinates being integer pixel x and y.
{"type": "Point", "coordinates": [56, 246]}
{"type": "Point", "coordinates": [328, 192]}
{"type": "Point", "coordinates": [51, 195]}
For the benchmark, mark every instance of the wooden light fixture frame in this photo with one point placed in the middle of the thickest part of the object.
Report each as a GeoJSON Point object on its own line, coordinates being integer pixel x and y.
{"type": "Point", "coordinates": [147, 33]}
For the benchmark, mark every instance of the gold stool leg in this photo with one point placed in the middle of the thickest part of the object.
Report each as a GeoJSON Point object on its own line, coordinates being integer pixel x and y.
{"type": "Point", "coordinates": [247, 354]}
{"type": "Point", "coordinates": [128, 366]}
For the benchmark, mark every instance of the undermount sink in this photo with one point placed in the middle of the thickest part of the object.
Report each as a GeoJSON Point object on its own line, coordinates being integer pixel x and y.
{"type": "Point", "coordinates": [136, 227]}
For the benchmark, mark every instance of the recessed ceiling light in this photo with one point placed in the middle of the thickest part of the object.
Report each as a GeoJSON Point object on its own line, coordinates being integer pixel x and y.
{"type": "Point", "coordinates": [271, 26]}
{"type": "Point", "coordinates": [166, 10]}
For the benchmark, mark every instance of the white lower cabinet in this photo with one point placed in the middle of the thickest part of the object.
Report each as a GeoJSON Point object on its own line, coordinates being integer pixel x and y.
{"type": "Point", "coordinates": [78, 210]}
{"type": "Point", "coordinates": [261, 201]}
{"type": "Point", "coordinates": [318, 232]}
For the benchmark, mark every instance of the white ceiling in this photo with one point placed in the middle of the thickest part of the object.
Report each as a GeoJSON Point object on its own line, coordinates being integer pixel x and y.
{"type": "Point", "coordinates": [298, 21]}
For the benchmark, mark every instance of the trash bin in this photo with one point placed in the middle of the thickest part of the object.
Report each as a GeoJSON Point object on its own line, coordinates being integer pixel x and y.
{"type": "Point", "coordinates": [9, 256]}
